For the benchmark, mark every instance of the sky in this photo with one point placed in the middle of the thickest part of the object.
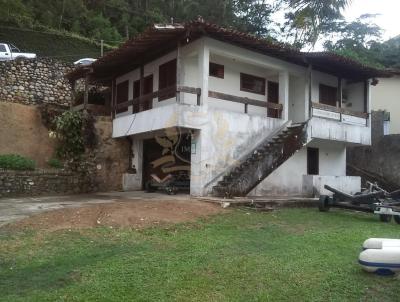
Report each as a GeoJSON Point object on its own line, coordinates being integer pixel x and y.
{"type": "Point", "coordinates": [389, 20]}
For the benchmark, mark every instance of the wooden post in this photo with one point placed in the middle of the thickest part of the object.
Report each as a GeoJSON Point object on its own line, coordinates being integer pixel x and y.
{"type": "Point", "coordinates": [246, 108]}
{"type": "Point", "coordinates": [339, 93]}
{"type": "Point", "coordinates": [113, 101]}
{"type": "Point", "coordinates": [178, 71]}
{"type": "Point", "coordinates": [86, 95]}
{"type": "Point", "coordinates": [141, 91]}
{"type": "Point", "coordinates": [310, 90]}
{"type": "Point", "coordinates": [366, 96]}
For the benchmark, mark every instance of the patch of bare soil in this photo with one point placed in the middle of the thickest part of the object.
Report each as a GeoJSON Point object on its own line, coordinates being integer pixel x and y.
{"type": "Point", "coordinates": [131, 214]}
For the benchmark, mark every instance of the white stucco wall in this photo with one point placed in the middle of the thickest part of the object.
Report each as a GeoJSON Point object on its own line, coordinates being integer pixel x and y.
{"type": "Point", "coordinates": [288, 178]}
{"type": "Point", "coordinates": [386, 96]}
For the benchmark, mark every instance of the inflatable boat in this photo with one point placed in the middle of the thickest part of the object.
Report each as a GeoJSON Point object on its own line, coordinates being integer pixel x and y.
{"type": "Point", "coordinates": [381, 256]}
{"type": "Point", "coordinates": [379, 243]}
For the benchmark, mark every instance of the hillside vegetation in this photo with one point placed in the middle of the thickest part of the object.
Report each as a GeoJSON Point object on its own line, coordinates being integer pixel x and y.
{"type": "Point", "coordinates": [59, 45]}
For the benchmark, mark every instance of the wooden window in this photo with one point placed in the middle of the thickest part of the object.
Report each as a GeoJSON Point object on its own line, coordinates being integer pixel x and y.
{"type": "Point", "coordinates": [312, 161]}
{"type": "Point", "coordinates": [273, 97]}
{"type": "Point", "coordinates": [216, 70]}
{"type": "Point", "coordinates": [122, 95]}
{"type": "Point", "coordinates": [145, 104]}
{"type": "Point", "coordinates": [252, 84]}
{"type": "Point", "coordinates": [327, 95]}
{"type": "Point", "coordinates": [167, 79]}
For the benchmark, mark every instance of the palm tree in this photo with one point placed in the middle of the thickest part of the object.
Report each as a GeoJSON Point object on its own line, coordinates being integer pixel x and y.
{"type": "Point", "coordinates": [310, 18]}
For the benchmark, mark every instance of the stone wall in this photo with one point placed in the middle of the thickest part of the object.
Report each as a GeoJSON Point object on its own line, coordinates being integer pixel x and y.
{"type": "Point", "coordinates": [34, 82]}
{"type": "Point", "coordinates": [42, 182]}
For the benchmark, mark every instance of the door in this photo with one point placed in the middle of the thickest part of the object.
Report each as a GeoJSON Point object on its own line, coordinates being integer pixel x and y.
{"type": "Point", "coordinates": [273, 97]}
{"type": "Point", "coordinates": [312, 161]}
{"type": "Point", "coordinates": [4, 53]}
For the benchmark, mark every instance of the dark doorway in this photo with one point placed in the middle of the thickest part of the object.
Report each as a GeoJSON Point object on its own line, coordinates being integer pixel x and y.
{"type": "Point", "coordinates": [312, 161]}
{"type": "Point", "coordinates": [273, 97]}
{"type": "Point", "coordinates": [167, 155]}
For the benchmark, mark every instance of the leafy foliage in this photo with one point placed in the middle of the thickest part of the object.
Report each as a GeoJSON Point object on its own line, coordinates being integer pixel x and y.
{"type": "Point", "coordinates": [16, 162]}
{"type": "Point", "coordinates": [68, 127]}
{"type": "Point", "coordinates": [75, 131]}
{"type": "Point", "coordinates": [55, 163]}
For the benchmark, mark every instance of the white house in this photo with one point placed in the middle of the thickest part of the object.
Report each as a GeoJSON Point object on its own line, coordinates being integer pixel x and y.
{"type": "Point", "coordinates": [386, 97]}
{"type": "Point", "coordinates": [199, 100]}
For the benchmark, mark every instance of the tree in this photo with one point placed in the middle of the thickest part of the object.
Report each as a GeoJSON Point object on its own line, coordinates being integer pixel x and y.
{"type": "Point", "coordinates": [308, 19]}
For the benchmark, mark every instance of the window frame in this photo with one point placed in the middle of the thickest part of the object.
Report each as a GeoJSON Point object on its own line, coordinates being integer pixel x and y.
{"type": "Point", "coordinates": [117, 101]}
{"type": "Point", "coordinates": [242, 75]}
{"type": "Point", "coordinates": [170, 78]}
{"type": "Point", "coordinates": [219, 68]}
{"type": "Point", "coordinates": [326, 87]}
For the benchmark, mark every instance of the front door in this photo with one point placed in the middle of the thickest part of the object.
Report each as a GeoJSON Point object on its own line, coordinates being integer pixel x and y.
{"type": "Point", "coordinates": [273, 97]}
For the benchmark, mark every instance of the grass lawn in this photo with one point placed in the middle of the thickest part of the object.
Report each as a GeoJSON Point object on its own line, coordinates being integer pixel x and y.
{"type": "Point", "coordinates": [288, 255]}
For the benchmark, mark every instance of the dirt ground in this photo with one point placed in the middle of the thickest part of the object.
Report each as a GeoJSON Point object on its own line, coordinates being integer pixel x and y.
{"type": "Point", "coordinates": [132, 214]}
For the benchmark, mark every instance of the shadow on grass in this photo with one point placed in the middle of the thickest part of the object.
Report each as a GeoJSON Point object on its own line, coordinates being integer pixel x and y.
{"type": "Point", "coordinates": [55, 271]}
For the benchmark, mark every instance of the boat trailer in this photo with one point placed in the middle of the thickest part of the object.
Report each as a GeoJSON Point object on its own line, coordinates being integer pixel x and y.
{"type": "Point", "coordinates": [373, 200]}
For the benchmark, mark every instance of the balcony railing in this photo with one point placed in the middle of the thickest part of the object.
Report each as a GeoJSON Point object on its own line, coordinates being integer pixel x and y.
{"type": "Point", "coordinates": [339, 114]}
{"type": "Point", "coordinates": [145, 102]}
{"type": "Point", "coordinates": [246, 102]}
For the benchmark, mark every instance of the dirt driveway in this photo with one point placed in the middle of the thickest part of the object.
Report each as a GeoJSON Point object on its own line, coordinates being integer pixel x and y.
{"type": "Point", "coordinates": [116, 209]}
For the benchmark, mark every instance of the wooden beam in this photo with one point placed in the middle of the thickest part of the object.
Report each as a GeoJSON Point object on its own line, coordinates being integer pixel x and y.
{"type": "Point", "coordinates": [242, 100]}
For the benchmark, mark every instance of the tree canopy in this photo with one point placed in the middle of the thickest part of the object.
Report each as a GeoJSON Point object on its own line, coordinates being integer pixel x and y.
{"type": "Point", "coordinates": [305, 21]}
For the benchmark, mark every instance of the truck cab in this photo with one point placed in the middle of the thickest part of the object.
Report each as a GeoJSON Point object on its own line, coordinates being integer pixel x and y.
{"type": "Point", "coordinates": [10, 52]}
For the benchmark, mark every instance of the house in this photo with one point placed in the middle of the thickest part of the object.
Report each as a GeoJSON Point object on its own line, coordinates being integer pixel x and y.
{"type": "Point", "coordinates": [386, 97]}
{"type": "Point", "coordinates": [232, 113]}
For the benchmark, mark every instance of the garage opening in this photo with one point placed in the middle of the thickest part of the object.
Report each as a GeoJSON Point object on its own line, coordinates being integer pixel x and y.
{"type": "Point", "coordinates": [166, 162]}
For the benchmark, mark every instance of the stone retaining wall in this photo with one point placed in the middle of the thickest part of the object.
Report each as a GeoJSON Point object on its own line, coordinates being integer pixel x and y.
{"type": "Point", "coordinates": [42, 182]}
{"type": "Point", "coordinates": [34, 82]}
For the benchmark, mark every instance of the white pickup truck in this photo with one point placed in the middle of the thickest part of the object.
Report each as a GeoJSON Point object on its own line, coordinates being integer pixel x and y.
{"type": "Point", "coordinates": [9, 52]}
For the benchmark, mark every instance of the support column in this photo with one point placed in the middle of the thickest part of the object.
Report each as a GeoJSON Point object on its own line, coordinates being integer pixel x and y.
{"type": "Point", "coordinates": [178, 71]}
{"type": "Point", "coordinates": [308, 99]}
{"type": "Point", "coordinates": [339, 93]}
{"type": "Point", "coordinates": [284, 93]}
{"type": "Point", "coordinates": [203, 62]}
{"type": "Point", "coordinates": [367, 101]}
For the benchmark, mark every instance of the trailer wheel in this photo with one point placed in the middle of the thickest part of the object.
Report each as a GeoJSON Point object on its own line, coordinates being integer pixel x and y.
{"type": "Point", "coordinates": [397, 219]}
{"type": "Point", "coordinates": [323, 204]}
{"type": "Point", "coordinates": [385, 217]}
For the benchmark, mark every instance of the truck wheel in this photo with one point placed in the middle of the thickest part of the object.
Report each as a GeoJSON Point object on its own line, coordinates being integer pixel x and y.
{"type": "Point", "coordinates": [385, 217]}
{"type": "Point", "coordinates": [397, 219]}
{"type": "Point", "coordinates": [19, 59]}
{"type": "Point", "coordinates": [323, 204]}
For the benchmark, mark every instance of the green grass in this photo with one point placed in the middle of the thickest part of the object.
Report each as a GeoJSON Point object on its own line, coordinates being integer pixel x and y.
{"type": "Point", "coordinates": [57, 45]}
{"type": "Point", "coordinates": [290, 255]}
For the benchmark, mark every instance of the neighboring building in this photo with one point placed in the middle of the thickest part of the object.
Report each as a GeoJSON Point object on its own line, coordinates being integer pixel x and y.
{"type": "Point", "coordinates": [236, 114]}
{"type": "Point", "coordinates": [386, 97]}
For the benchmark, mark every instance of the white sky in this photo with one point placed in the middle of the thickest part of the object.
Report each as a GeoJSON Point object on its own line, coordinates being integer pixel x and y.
{"type": "Point", "coordinates": [389, 10]}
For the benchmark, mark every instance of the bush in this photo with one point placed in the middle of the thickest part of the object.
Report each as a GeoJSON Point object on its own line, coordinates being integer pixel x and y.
{"type": "Point", "coordinates": [16, 162]}
{"type": "Point", "coordinates": [55, 163]}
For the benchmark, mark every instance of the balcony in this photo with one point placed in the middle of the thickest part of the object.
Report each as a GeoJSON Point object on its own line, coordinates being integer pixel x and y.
{"type": "Point", "coordinates": [339, 124]}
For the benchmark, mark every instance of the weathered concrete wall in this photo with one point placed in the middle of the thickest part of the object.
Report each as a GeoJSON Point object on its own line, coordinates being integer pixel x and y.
{"type": "Point", "coordinates": [22, 132]}
{"type": "Point", "coordinates": [42, 182]}
{"type": "Point", "coordinates": [382, 158]}
{"type": "Point", "coordinates": [35, 82]}
{"type": "Point", "coordinates": [313, 185]}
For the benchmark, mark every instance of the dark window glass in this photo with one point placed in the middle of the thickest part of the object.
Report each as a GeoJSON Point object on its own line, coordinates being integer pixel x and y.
{"type": "Point", "coordinates": [216, 70]}
{"type": "Point", "coordinates": [252, 84]}
{"type": "Point", "coordinates": [167, 79]}
{"type": "Point", "coordinates": [122, 95]}
{"type": "Point", "coordinates": [312, 161]}
{"type": "Point", "coordinates": [3, 48]}
{"type": "Point", "coordinates": [273, 97]}
{"type": "Point", "coordinates": [136, 94]}
{"type": "Point", "coordinates": [327, 95]}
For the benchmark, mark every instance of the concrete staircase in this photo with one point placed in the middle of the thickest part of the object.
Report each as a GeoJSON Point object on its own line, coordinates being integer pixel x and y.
{"type": "Point", "coordinates": [262, 161]}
